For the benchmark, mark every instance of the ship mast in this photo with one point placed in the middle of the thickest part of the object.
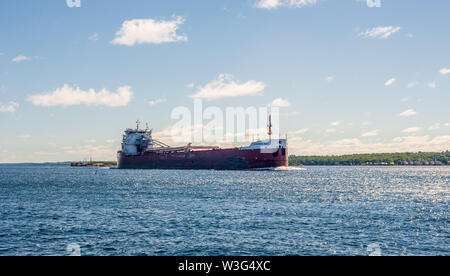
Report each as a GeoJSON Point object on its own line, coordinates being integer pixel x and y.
{"type": "Point", "coordinates": [270, 127]}
{"type": "Point", "coordinates": [137, 124]}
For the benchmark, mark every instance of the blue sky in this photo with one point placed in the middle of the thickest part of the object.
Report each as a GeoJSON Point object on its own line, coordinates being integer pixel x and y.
{"type": "Point", "coordinates": [351, 78]}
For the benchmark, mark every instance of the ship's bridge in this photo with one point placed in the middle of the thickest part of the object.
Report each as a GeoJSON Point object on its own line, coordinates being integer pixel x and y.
{"type": "Point", "coordinates": [267, 144]}
{"type": "Point", "coordinates": [137, 141]}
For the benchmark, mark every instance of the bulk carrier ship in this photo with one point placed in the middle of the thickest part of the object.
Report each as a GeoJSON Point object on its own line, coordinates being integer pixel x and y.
{"type": "Point", "coordinates": [141, 151]}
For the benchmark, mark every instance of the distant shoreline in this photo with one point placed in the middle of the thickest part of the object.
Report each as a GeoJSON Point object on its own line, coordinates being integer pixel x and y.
{"type": "Point", "coordinates": [375, 159]}
{"type": "Point", "coordinates": [94, 164]}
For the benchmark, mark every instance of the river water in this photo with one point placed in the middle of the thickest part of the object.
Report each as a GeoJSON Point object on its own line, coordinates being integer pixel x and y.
{"type": "Point", "coordinates": [58, 210]}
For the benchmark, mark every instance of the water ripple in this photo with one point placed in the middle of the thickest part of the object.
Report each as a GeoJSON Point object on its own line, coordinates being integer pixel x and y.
{"type": "Point", "coordinates": [313, 211]}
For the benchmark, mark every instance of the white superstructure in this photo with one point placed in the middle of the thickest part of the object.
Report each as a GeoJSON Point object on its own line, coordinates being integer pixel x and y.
{"type": "Point", "coordinates": [271, 145]}
{"type": "Point", "coordinates": [136, 141]}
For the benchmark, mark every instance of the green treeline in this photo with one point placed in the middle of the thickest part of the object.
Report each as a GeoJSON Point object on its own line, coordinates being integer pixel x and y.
{"type": "Point", "coordinates": [408, 158]}
{"type": "Point", "coordinates": [94, 164]}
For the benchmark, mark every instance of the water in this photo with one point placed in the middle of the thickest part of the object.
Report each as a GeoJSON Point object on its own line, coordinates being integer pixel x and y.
{"type": "Point", "coordinates": [46, 210]}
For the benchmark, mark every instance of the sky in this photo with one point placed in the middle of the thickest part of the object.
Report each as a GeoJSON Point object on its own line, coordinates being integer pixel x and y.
{"type": "Point", "coordinates": [348, 76]}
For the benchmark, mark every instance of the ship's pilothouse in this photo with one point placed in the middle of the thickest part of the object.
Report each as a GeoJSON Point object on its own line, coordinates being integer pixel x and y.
{"type": "Point", "coordinates": [136, 141]}
{"type": "Point", "coordinates": [269, 146]}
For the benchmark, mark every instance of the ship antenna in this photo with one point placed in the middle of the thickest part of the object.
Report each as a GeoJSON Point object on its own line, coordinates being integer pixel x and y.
{"type": "Point", "coordinates": [270, 127]}
{"type": "Point", "coordinates": [137, 124]}
{"type": "Point", "coordinates": [146, 126]}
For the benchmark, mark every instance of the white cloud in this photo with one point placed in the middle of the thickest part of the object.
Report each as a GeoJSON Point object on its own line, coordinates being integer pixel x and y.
{"type": "Point", "coordinates": [380, 32]}
{"type": "Point", "coordinates": [190, 85]}
{"type": "Point", "coordinates": [96, 152]}
{"type": "Point", "coordinates": [157, 101]}
{"type": "Point", "coordinates": [225, 86]}
{"type": "Point", "coordinates": [273, 4]}
{"type": "Point", "coordinates": [412, 130]}
{"type": "Point", "coordinates": [432, 85]}
{"type": "Point", "coordinates": [300, 3]}
{"type": "Point", "coordinates": [300, 146]}
{"type": "Point", "coordinates": [413, 84]}
{"type": "Point", "coordinates": [329, 79]}
{"type": "Point", "coordinates": [267, 4]}
{"type": "Point", "coordinates": [94, 37]}
{"type": "Point", "coordinates": [370, 133]}
{"type": "Point", "coordinates": [20, 59]}
{"type": "Point", "coordinates": [408, 113]}
{"type": "Point", "coordinates": [447, 124]}
{"type": "Point", "coordinates": [289, 114]}
{"type": "Point", "coordinates": [140, 31]}
{"type": "Point", "coordinates": [390, 82]}
{"type": "Point", "coordinates": [66, 96]}
{"type": "Point", "coordinates": [110, 141]}
{"type": "Point", "coordinates": [10, 107]}
{"type": "Point", "coordinates": [91, 141]}
{"type": "Point", "coordinates": [337, 123]}
{"type": "Point", "coordinates": [280, 103]}
{"type": "Point", "coordinates": [330, 130]}
{"type": "Point", "coordinates": [298, 132]}
{"type": "Point", "coordinates": [44, 153]}
{"type": "Point", "coordinates": [25, 136]}
{"type": "Point", "coordinates": [445, 71]}
{"type": "Point", "coordinates": [434, 127]}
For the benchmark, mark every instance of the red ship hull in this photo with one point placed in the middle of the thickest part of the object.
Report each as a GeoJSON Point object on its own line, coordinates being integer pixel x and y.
{"type": "Point", "coordinates": [219, 159]}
